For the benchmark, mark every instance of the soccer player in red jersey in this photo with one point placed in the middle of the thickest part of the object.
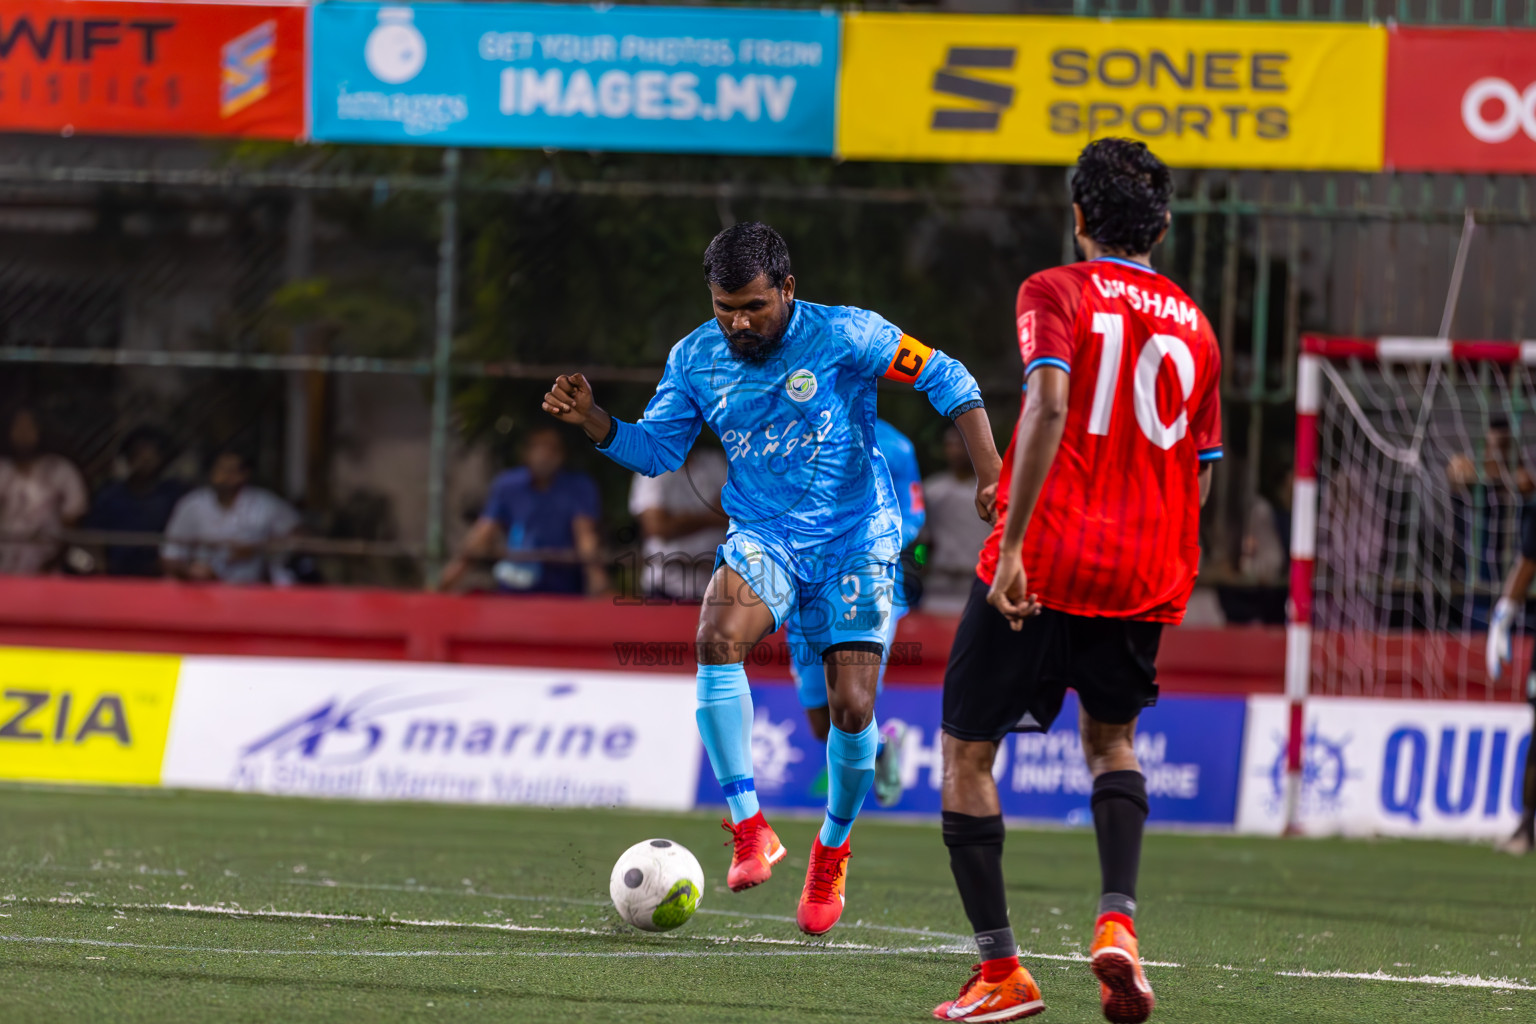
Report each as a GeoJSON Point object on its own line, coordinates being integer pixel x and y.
{"type": "Point", "coordinates": [1095, 549]}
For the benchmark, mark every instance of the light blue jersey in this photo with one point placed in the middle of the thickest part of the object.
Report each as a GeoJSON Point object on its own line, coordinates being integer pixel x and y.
{"type": "Point", "coordinates": [816, 525]}
{"type": "Point", "coordinates": [806, 475]}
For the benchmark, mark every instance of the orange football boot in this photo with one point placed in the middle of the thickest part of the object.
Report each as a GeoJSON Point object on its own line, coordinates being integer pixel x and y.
{"type": "Point", "coordinates": [756, 850]}
{"type": "Point", "coordinates": [821, 901]}
{"type": "Point", "coordinates": [1014, 998]}
{"type": "Point", "coordinates": [1115, 960]}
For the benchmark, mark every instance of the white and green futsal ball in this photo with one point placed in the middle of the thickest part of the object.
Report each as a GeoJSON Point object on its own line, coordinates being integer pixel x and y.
{"type": "Point", "coordinates": [656, 885]}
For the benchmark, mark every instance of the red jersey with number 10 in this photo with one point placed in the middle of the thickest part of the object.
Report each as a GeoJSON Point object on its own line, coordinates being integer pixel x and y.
{"type": "Point", "coordinates": [1116, 532]}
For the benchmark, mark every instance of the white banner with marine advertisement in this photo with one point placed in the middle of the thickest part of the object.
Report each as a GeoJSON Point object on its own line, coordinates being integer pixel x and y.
{"type": "Point", "coordinates": [387, 731]}
{"type": "Point", "coordinates": [1437, 769]}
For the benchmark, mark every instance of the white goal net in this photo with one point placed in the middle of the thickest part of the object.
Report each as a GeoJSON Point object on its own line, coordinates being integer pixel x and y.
{"type": "Point", "coordinates": [1415, 458]}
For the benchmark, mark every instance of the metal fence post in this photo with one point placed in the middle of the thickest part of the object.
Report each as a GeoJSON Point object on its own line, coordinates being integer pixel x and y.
{"type": "Point", "coordinates": [442, 354]}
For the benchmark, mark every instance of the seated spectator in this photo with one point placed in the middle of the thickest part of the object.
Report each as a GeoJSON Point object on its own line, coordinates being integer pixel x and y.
{"type": "Point", "coordinates": [955, 531]}
{"type": "Point", "coordinates": [681, 525]}
{"type": "Point", "coordinates": [539, 506]}
{"type": "Point", "coordinates": [41, 495]}
{"type": "Point", "coordinates": [141, 502]}
{"type": "Point", "coordinates": [220, 532]}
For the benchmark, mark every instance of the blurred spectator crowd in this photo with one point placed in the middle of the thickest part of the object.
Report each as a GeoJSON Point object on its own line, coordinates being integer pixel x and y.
{"type": "Point", "coordinates": [141, 523]}
{"type": "Point", "coordinates": [540, 528]}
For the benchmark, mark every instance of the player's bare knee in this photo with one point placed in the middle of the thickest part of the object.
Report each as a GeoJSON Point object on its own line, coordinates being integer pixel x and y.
{"type": "Point", "coordinates": [966, 760]}
{"type": "Point", "coordinates": [855, 714]}
{"type": "Point", "coordinates": [820, 721]}
{"type": "Point", "coordinates": [717, 645]}
{"type": "Point", "coordinates": [1110, 754]}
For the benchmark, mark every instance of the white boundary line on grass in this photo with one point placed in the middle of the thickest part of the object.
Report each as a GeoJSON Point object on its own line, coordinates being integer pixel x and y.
{"type": "Point", "coordinates": [468, 953]}
{"type": "Point", "coordinates": [497, 926]}
{"type": "Point", "coordinates": [329, 883]}
{"type": "Point", "coordinates": [1444, 980]}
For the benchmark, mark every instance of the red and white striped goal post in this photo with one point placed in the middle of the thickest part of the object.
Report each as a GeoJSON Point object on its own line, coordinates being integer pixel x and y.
{"type": "Point", "coordinates": [1315, 348]}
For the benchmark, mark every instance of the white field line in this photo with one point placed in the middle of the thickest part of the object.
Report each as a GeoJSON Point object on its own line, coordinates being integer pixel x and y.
{"type": "Point", "coordinates": [468, 891]}
{"type": "Point", "coordinates": [466, 953]}
{"type": "Point", "coordinates": [497, 926]}
{"type": "Point", "coordinates": [1444, 980]}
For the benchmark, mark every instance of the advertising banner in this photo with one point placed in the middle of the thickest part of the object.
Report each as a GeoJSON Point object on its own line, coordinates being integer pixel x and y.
{"type": "Point", "coordinates": [1036, 90]}
{"type": "Point", "coordinates": [81, 716]}
{"type": "Point", "coordinates": [1461, 100]}
{"type": "Point", "coordinates": [1390, 767]}
{"type": "Point", "coordinates": [372, 730]}
{"type": "Point", "coordinates": [1190, 749]}
{"type": "Point", "coordinates": [116, 68]}
{"type": "Point", "coordinates": [549, 75]}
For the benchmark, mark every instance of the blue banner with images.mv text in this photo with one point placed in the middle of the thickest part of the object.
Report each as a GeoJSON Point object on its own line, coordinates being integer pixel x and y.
{"type": "Point", "coordinates": [655, 79]}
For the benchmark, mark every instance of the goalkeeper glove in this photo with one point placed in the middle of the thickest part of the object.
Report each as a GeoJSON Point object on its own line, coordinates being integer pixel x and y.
{"type": "Point", "coordinates": [1498, 637]}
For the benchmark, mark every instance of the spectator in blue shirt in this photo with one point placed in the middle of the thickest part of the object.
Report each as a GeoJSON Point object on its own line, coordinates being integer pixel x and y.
{"type": "Point", "coordinates": [539, 506]}
{"type": "Point", "coordinates": [141, 502]}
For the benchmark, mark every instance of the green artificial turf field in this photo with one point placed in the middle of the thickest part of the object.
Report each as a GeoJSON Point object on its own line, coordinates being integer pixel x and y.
{"type": "Point", "coordinates": [161, 906]}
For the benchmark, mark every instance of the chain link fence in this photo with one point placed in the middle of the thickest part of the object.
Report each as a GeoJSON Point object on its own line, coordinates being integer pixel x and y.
{"type": "Point", "coordinates": [376, 326]}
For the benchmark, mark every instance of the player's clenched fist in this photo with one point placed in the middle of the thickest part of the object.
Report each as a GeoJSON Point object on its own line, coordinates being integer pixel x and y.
{"type": "Point", "coordinates": [570, 400]}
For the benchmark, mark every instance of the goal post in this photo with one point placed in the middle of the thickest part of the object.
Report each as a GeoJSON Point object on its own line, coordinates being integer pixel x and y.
{"type": "Point", "coordinates": [1413, 458]}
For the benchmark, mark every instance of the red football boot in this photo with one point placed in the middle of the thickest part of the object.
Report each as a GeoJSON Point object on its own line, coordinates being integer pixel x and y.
{"type": "Point", "coordinates": [756, 851]}
{"type": "Point", "coordinates": [1014, 998]}
{"type": "Point", "coordinates": [1124, 994]}
{"type": "Point", "coordinates": [821, 901]}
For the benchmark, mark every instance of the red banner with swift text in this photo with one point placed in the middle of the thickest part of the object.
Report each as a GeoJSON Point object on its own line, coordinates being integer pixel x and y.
{"type": "Point", "coordinates": [120, 67]}
{"type": "Point", "coordinates": [1461, 100]}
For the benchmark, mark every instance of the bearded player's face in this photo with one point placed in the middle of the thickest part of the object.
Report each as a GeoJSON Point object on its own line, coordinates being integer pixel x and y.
{"type": "Point", "coordinates": [754, 316]}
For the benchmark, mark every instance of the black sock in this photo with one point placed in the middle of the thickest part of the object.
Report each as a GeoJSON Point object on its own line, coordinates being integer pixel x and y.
{"type": "Point", "coordinates": [1119, 813]}
{"type": "Point", "coordinates": [976, 858]}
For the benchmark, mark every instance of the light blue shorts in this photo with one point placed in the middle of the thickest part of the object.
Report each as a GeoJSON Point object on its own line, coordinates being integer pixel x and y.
{"type": "Point", "coordinates": [825, 601]}
{"type": "Point", "coordinates": [808, 671]}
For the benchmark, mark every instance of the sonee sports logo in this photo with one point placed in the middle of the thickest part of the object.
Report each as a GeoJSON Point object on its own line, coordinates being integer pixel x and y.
{"type": "Point", "coordinates": [952, 80]}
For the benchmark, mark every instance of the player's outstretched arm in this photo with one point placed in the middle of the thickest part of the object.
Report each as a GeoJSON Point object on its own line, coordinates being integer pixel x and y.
{"type": "Point", "coordinates": [1040, 430]}
{"type": "Point", "coordinates": [952, 392]}
{"type": "Point", "coordinates": [655, 445]}
{"type": "Point", "coordinates": [976, 428]}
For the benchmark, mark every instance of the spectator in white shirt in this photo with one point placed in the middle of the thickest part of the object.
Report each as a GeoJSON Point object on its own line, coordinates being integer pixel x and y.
{"type": "Point", "coordinates": [681, 525]}
{"type": "Point", "coordinates": [41, 495]}
{"type": "Point", "coordinates": [218, 532]}
{"type": "Point", "coordinates": [955, 532]}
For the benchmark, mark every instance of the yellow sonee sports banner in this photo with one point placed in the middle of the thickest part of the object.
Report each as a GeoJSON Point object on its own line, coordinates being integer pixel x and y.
{"type": "Point", "coordinates": [82, 716]}
{"type": "Point", "coordinates": [1036, 90]}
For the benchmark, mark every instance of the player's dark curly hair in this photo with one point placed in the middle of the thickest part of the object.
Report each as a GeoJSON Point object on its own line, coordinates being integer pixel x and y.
{"type": "Point", "coordinates": [741, 252]}
{"type": "Point", "coordinates": [1124, 193]}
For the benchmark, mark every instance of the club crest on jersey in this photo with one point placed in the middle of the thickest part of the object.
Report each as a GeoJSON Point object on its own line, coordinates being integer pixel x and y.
{"type": "Point", "coordinates": [1026, 324]}
{"type": "Point", "coordinates": [801, 386]}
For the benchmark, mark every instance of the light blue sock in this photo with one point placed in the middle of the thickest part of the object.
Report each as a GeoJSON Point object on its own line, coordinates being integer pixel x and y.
{"type": "Point", "coordinates": [850, 773]}
{"type": "Point", "coordinates": [725, 726]}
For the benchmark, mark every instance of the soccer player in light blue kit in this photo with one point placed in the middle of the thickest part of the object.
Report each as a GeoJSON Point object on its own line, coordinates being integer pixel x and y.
{"type": "Point", "coordinates": [804, 658]}
{"type": "Point", "coordinates": [789, 388]}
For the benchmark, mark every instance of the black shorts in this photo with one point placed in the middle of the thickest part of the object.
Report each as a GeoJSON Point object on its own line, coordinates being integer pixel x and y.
{"type": "Point", "coordinates": [1000, 681]}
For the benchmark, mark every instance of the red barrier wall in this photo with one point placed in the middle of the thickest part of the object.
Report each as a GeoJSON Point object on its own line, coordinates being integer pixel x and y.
{"type": "Point", "coordinates": [491, 630]}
